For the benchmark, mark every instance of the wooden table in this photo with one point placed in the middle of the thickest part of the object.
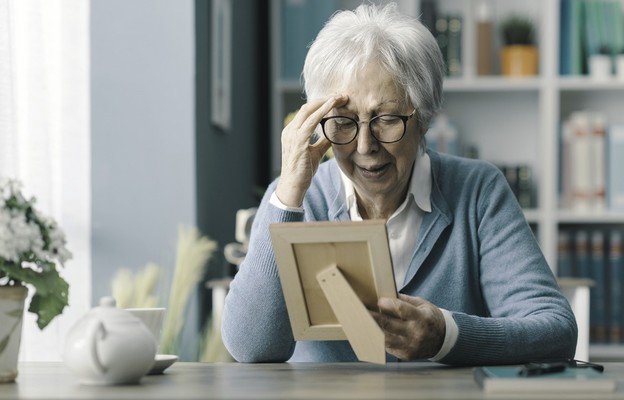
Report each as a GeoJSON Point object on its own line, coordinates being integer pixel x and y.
{"type": "Point", "coordinates": [267, 381]}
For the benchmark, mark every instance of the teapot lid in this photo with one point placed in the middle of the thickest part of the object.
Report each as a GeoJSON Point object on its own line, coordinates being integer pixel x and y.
{"type": "Point", "coordinates": [108, 311]}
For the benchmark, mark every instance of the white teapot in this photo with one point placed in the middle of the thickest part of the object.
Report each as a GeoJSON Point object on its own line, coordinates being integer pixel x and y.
{"type": "Point", "coordinates": [109, 346]}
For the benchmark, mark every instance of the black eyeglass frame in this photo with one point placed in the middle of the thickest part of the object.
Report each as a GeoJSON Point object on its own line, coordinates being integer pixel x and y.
{"type": "Point", "coordinates": [403, 118]}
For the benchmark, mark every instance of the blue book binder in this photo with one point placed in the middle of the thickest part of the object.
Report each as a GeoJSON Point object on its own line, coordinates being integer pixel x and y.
{"type": "Point", "coordinates": [564, 259]}
{"type": "Point", "coordinates": [598, 295]}
{"type": "Point", "coordinates": [581, 254]}
{"type": "Point", "coordinates": [577, 38]}
{"type": "Point", "coordinates": [565, 37]}
{"type": "Point", "coordinates": [301, 22]}
{"type": "Point", "coordinates": [616, 279]}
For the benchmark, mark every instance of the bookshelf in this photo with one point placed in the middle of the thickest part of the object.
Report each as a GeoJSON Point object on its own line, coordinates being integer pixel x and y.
{"type": "Point", "coordinates": [510, 120]}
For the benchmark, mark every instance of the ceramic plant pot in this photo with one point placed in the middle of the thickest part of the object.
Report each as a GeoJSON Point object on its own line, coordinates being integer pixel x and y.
{"type": "Point", "coordinates": [11, 317]}
{"type": "Point", "coordinates": [600, 66]}
{"type": "Point", "coordinates": [519, 60]}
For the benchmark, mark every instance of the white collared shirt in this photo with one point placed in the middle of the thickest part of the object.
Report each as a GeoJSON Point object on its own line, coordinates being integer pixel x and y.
{"type": "Point", "coordinates": [404, 224]}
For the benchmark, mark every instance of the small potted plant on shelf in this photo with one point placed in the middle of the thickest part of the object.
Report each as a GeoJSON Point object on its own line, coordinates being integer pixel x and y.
{"type": "Point", "coordinates": [519, 55]}
{"type": "Point", "coordinates": [31, 247]}
{"type": "Point", "coordinates": [601, 63]}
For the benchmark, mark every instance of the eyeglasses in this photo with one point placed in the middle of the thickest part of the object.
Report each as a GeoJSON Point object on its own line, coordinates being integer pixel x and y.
{"type": "Point", "coordinates": [385, 128]}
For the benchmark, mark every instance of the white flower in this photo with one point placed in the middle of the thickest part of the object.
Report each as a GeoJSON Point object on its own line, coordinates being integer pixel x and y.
{"type": "Point", "coordinates": [25, 232]}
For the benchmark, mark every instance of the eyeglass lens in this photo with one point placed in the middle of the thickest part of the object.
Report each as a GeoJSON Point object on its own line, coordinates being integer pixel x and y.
{"type": "Point", "coordinates": [384, 128]}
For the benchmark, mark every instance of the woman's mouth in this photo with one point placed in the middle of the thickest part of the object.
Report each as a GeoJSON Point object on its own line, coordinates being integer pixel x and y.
{"type": "Point", "coordinates": [374, 171]}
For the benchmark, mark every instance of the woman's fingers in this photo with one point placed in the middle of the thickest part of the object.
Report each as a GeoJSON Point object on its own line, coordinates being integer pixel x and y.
{"type": "Point", "coordinates": [413, 327]}
{"type": "Point", "coordinates": [300, 159]}
{"type": "Point", "coordinates": [310, 114]}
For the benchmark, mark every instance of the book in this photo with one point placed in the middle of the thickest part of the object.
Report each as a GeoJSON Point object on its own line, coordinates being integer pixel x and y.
{"type": "Point", "coordinates": [581, 254]}
{"type": "Point", "coordinates": [615, 185]}
{"type": "Point", "coordinates": [484, 37]}
{"type": "Point", "coordinates": [616, 279]}
{"type": "Point", "coordinates": [428, 14]}
{"type": "Point", "coordinates": [511, 175]}
{"type": "Point", "coordinates": [580, 161]}
{"type": "Point", "coordinates": [505, 380]}
{"type": "Point", "coordinates": [598, 295]}
{"type": "Point", "coordinates": [565, 37]}
{"type": "Point", "coordinates": [583, 163]}
{"type": "Point", "coordinates": [564, 259]}
{"type": "Point", "coordinates": [442, 37]}
{"type": "Point", "coordinates": [592, 28]}
{"type": "Point", "coordinates": [578, 64]}
{"type": "Point", "coordinates": [617, 28]}
{"type": "Point", "coordinates": [454, 48]}
{"type": "Point", "coordinates": [565, 164]}
{"type": "Point", "coordinates": [525, 186]}
{"type": "Point", "coordinates": [598, 131]}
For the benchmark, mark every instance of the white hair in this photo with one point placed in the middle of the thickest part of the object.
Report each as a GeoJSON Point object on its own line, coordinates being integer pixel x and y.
{"type": "Point", "coordinates": [401, 44]}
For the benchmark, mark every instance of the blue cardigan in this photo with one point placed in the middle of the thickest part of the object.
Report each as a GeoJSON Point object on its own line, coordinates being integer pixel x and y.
{"type": "Point", "coordinates": [476, 257]}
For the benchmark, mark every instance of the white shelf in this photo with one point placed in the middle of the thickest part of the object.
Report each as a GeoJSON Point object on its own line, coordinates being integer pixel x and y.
{"type": "Point", "coordinates": [570, 83]}
{"type": "Point", "coordinates": [492, 84]}
{"type": "Point", "coordinates": [606, 352]}
{"type": "Point", "coordinates": [597, 217]}
{"type": "Point", "coordinates": [533, 216]}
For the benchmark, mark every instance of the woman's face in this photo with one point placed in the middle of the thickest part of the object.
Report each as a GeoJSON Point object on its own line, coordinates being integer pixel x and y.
{"type": "Point", "coordinates": [380, 172]}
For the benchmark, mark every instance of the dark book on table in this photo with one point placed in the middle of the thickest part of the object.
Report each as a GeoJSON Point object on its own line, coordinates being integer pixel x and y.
{"type": "Point", "coordinates": [506, 380]}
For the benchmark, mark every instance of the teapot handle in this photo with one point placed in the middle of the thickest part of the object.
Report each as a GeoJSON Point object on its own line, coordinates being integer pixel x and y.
{"type": "Point", "coordinates": [97, 332]}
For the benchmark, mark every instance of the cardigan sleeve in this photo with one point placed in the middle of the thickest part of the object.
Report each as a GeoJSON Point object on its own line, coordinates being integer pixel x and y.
{"type": "Point", "coordinates": [255, 325]}
{"type": "Point", "coordinates": [528, 317]}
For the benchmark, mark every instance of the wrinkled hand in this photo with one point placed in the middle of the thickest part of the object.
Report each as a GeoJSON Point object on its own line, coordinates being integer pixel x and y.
{"type": "Point", "coordinates": [413, 327]}
{"type": "Point", "coordinates": [300, 159]}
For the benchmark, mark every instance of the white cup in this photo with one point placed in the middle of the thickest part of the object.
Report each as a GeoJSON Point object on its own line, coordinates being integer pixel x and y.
{"type": "Point", "coordinates": [152, 318]}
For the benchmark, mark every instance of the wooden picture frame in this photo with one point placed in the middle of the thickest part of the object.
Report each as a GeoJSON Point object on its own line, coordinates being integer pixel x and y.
{"type": "Point", "coordinates": [332, 273]}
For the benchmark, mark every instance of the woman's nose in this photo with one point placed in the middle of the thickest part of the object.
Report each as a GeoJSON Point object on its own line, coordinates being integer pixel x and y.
{"type": "Point", "coordinates": [366, 142]}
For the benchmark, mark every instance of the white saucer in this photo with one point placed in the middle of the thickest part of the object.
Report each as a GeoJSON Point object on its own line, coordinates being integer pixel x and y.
{"type": "Point", "coordinates": [161, 363]}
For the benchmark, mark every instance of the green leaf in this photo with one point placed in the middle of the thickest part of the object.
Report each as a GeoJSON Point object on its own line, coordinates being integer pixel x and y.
{"type": "Point", "coordinates": [3, 343]}
{"type": "Point", "coordinates": [51, 291]}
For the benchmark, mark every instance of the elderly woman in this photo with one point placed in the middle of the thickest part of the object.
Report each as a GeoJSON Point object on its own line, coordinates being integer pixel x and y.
{"type": "Point", "coordinates": [474, 287]}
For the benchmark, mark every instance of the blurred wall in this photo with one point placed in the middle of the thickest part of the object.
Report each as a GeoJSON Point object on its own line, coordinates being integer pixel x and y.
{"type": "Point", "coordinates": [157, 160]}
{"type": "Point", "coordinates": [232, 165]}
{"type": "Point", "coordinates": [143, 134]}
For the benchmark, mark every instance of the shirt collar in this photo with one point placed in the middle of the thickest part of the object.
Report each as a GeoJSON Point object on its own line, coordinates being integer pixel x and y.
{"type": "Point", "coordinates": [420, 187]}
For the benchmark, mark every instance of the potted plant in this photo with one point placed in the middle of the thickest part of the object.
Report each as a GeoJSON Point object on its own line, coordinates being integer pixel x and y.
{"type": "Point", "coordinates": [31, 247]}
{"type": "Point", "coordinates": [519, 54]}
{"type": "Point", "coordinates": [601, 63]}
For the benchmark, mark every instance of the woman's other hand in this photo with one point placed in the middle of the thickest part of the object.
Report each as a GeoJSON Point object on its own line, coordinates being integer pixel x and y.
{"type": "Point", "coordinates": [413, 327]}
{"type": "Point", "coordinates": [300, 159]}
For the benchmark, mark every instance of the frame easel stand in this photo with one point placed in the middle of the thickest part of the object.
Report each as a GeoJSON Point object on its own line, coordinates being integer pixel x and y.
{"type": "Point", "coordinates": [363, 333]}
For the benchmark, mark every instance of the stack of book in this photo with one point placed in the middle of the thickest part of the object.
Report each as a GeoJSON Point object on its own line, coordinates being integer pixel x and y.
{"type": "Point", "coordinates": [448, 32]}
{"type": "Point", "coordinates": [596, 253]}
{"type": "Point", "coordinates": [591, 163]}
{"type": "Point", "coordinates": [589, 27]}
{"type": "Point", "coordinates": [520, 179]}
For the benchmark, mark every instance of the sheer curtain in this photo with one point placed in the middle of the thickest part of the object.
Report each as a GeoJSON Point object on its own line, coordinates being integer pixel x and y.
{"type": "Point", "coordinates": [45, 137]}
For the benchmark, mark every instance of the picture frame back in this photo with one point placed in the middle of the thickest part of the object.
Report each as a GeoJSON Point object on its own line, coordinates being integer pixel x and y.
{"type": "Point", "coordinates": [303, 250]}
